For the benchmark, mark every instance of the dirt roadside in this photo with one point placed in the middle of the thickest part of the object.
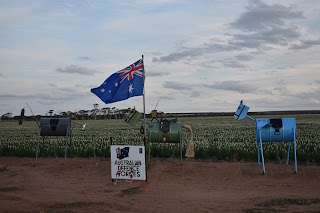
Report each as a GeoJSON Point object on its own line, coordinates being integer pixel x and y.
{"type": "Point", "coordinates": [84, 185]}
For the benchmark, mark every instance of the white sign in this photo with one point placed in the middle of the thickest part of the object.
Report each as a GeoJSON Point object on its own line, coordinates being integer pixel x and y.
{"type": "Point", "coordinates": [128, 162]}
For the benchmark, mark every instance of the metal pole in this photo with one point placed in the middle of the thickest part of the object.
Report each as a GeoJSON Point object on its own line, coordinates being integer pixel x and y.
{"type": "Point", "coordinates": [288, 154]}
{"type": "Point", "coordinates": [37, 149]}
{"type": "Point", "coordinates": [251, 118]}
{"type": "Point", "coordinates": [42, 147]}
{"type": "Point", "coordinates": [262, 158]}
{"type": "Point", "coordinates": [65, 149]}
{"type": "Point", "coordinates": [33, 115]}
{"type": "Point", "coordinates": [70, 138]}
{"type": "Point", "coordinates": [144, 102]}
{"type": "Point", "coordinates": [144, 119]}
{"type": "Point", "coordinates": [295, 152]}
{"type": "Point", "coordinates": [110, 158]}
{"type": "Point", "coordinates": [258, 149]}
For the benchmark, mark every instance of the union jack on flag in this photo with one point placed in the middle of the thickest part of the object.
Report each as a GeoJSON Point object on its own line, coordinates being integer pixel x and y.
{"type": "Point", "coordinates": [133, 69]}
{"type": "Point", "coordinates": [122, 84]}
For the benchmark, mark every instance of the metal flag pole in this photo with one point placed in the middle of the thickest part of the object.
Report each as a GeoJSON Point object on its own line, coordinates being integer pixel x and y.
{"type": "Point", "coordinates": [33, 115]}
{"type": "Point", "coordinates": [144, 102]}
{"type": "Point", "coordinates": [144, 118]}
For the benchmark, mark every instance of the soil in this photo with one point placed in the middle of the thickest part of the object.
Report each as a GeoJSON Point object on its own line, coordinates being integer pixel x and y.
{"type": "Point", "coordinates": [85, 185]}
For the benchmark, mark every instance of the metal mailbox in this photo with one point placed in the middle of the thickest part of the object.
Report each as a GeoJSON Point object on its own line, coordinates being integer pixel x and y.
{"type": "Point", "coordinates": [55, 126]}
{"type": "Point", "coordinates": [271, 130]}
{"type": "Point", "coordinates": [156, 133]}
{"type": "Point", "coordinates": [275, 130]}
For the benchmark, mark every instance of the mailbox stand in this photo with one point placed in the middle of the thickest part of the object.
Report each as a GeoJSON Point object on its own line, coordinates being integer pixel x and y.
{"type": "Point", "coordinates": [54, 127]}
{"type": "Point", "coordinates": [164, 131]}
{"type": "Point", "coordinates": [271, 130]}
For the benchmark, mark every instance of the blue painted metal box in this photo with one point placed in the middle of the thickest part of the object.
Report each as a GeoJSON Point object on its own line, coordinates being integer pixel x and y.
{"type": "Point", "coordinates": [275, 130]}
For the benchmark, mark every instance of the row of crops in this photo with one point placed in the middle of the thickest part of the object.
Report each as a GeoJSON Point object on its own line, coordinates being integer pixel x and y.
{"type": "Point", "coordinates": [215, 138]}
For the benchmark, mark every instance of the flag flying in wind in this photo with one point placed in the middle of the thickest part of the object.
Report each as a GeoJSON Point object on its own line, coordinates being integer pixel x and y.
{"type": "Point", "coordinates": [122, 85]}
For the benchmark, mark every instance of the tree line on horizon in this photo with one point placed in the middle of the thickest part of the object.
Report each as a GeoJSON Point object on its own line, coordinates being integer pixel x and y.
{"type": "Point", "coordinates": [95, 113]}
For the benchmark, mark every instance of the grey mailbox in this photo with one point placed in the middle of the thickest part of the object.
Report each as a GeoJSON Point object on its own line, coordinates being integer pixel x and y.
{"type": "Point", "coordinates": [54, 127]}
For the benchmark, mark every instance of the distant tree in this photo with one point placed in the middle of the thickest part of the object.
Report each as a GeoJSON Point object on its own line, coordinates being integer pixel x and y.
{"type": "Point", "coordinates": [6, 116]}
{"type": "Point", "coordinates": [104, 112]}
{"type": "Point", "coordinates": [95, 111]}
{"type": "Point", "coordinates": [63, 114]}
{"type": "Point", "coordinates": [83, 114]}
{"type": "Point", "coordinates": [70, 114]}
{"type": "Point", "coordinates": [50, 112]}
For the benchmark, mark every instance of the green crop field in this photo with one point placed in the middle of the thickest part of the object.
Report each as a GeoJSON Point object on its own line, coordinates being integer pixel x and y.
{"type": "Point", "coordinates": [215, 138]}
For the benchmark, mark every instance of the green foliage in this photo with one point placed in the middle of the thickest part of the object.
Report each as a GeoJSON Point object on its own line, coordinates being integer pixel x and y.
{"type": "Point", "coordinates": [216, 138]}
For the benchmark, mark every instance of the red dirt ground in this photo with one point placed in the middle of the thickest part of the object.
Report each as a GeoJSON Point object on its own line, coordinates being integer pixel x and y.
{"type": "Point", "coordinates": [84, 185]}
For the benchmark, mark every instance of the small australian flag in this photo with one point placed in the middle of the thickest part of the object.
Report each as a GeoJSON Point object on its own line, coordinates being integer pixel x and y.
{"type": "Point", "coordinates": [122, 153]}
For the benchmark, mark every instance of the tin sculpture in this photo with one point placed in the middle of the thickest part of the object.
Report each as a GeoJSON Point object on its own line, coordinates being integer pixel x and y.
{"type": "Point", "coordinates": [271, 130]}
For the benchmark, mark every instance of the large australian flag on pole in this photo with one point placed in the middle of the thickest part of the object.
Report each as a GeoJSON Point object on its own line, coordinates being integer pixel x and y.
{"type": "Point", "coordinates": [122, 85]}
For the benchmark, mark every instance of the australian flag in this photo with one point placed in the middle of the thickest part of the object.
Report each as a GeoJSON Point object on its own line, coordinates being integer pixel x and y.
{"type": "Point", "coordinates": [122, 153]}
{"type": "Point", "coordinates": [122, 85]}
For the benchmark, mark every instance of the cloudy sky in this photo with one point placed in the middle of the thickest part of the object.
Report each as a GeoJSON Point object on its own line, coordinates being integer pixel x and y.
{"type": "Point", "coordinates": [199, 56]}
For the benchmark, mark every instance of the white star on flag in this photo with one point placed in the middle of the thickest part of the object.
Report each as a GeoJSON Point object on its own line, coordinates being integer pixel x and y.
{"type": "Point", "coordinates": [102, 90]}
{"type": "Point", "coordinates": [130, 88]}
{"type": "Point", "coordinates": [116, 84]}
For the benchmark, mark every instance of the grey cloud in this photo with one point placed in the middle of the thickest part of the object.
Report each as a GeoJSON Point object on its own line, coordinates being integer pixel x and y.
{"type": "Point", "coordinates": [245, 42]}
{"type": "Point", "coordinates": [179, 55]}
{"type": "Point", "coordinates": [76, 69]}
{"type": "Point", "coordinates": [282, 90]}
{"type": "Point", "coordinates": [261, 24]}
{"type": "Point", "coordinates": [182, 87]}
{"type": "Point", "coordinates": [1, 75]}
{"type": "Point", "coordinates": [314, 94]}
{"type": "Point", "coordinates": [86, 86]}
{"type": "Point", "coordinates": [193, 52]}
{"type": "Point", "coordinates": [265, 24]}
{"type": "Point", "coordinates": [56, 94]}
{"type": "Point", "coordinates": [228, 62]}
{"type": "Point", "coordinates": [156, 74]}
{"type": "Point", "coordinates": [306, 44]}
{"type": "Point", "coordinates": [265, 91]}
{"type": "Point", "coordinates": [262, 16]}
{"type": "Point", "coordinates": [258, 40]}
{"type": "Point", "coordinates": [15, 96]}
{"type": "Point", "coordinates": [53, 85]}
{"type": "Point", "coordinates": [236, 86]}
{"type": "Point", "coordinates": [244, 57]}
{"type": "Point", "coordinates": [216, 47]}
{"type": "Point", "coordinates": [195, 94]}
{"type": "Point", "coordinates": [177, 85]}
{"type": "Point", "coordinates": [232, 63]}
{"type": "Point", "coordinates": [84, 58]}
{"type": "Point", "coordinates": [166, 97]}
{"type": "Point", "coordinates": [223, 85]}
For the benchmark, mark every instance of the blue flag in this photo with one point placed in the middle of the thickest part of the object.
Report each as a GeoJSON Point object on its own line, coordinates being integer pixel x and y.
{"type": "Point", "coordinates": [122, 85]}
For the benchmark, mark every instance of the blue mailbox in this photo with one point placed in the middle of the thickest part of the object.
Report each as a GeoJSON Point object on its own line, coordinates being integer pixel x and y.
{"type": "Point", "coordinates": [271, 130]}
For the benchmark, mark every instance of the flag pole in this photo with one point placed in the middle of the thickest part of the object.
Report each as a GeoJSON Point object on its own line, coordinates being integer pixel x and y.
{"type": "Point", "coordinates": [144, 120]}
{"type": "Point", "coordinates": [144, 101]}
